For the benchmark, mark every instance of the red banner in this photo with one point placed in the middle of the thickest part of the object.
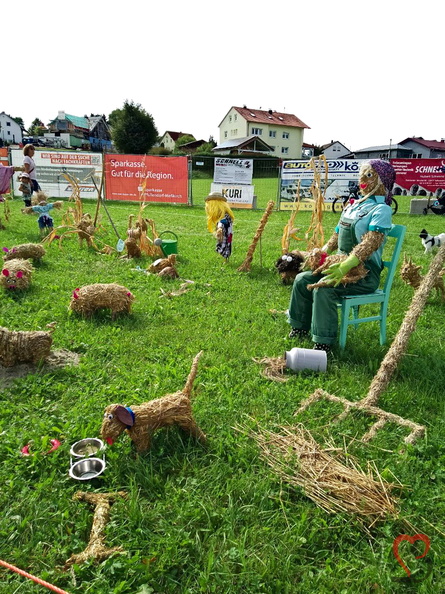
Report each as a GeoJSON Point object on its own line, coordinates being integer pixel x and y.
{"type": "Point", "coordinates": [4, 156]}
{"type": "Point", "coordinates": [419, 177]}
{"type": "Point", "coordinates": [146, 178]}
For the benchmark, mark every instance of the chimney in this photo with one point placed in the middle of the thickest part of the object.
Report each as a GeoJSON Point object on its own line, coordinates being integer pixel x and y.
{"type": "Point", "coordinates": [61, 115]}
{"type": "Point", "coordinates": [270, 112]}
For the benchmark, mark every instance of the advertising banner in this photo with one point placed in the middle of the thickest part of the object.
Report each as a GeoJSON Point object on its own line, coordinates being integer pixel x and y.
{"type": "Point", "coordinates": [238, 196]}
{"type": "Point", "coordinates": [419, 177]}
{"type": "Point", "coordinates": [233, 171]}
{"type": "Point", "coordinates": [52, 166]}
{"type": "Point", "coordinates": [4, 156]}
{"type": "Point", "coordinates": [146, 178]}
{"type": "Point", "coordinates": [342, 174]}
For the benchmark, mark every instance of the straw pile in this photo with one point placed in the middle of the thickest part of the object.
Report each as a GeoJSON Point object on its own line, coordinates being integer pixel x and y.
{"type": "Point", "coordinates": [96, 549]}
{"type": "Point", "coordinates": [298, 460]}
{"type": "Point", "coordinates": [33, 251]}
{"type": "Point", "coordinates": [411, 275]}
{"type": "Point", "coordinates": [24, 347]}
{"type": "Point", "coordinates": [90, 298]}
{"type": "Point", "coordinates": [245, 266]}
{"type": "Point", "coordinates": [16, 274]}
{"type": "Point", "coordinates": [274, 368]}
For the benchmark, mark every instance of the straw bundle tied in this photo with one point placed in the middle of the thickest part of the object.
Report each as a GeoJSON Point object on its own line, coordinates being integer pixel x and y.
{"type": "Point", "coordinates": [289, 229]}
{"type": "Point", "coordinates": [316, 226]}
{"type": "Point", "coordinates": [245, 266]}
{"type": "Point", "coordinates": [299, 461]}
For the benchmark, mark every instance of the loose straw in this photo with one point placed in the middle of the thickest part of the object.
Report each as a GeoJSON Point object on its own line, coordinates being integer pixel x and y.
{"type": "Point", "coordinates": [33, 578]}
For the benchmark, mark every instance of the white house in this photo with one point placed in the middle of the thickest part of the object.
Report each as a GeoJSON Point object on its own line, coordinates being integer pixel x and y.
{"type": "Point", "coordinates": [335, 150]}
{"type": "Point", "coordinates": [283, 132]}
{"type": "Point", "coordinates": [10, 131]}
{"type": "Point", "coordinates": [168, 139]}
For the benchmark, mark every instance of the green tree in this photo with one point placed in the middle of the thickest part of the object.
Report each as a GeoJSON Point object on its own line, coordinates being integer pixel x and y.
{"type": "Point", "coordinates": [20, 122]}
{"type": "Point", "coordinates": [205, 148]}
{"type": "Point", "coordinates": [37, 127]}
{"type": "Point", "coordinates": [132, 129]}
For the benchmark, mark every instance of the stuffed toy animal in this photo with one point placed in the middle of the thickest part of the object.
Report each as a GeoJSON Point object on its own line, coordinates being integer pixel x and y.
{"type": "Point", "coordinates": [141, 421]}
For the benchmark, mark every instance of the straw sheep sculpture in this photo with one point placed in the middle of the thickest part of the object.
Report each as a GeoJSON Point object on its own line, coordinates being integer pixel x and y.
{"type": "Point", "coordinates": [24, 347]}
{"type": "Point", "coordinates": [141, 421]}
{"type": "Point", "coordinates": [91, 298]}
{"type": "Point", "coordinates": [16, 274]}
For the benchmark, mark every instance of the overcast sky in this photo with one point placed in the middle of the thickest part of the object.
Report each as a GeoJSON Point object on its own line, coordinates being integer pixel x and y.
{"type": "Point", "coordinates": [361, 73]}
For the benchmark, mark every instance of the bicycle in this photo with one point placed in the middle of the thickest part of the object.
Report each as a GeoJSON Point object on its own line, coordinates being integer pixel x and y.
{"type": "Point", "coordinates": [341, 202]}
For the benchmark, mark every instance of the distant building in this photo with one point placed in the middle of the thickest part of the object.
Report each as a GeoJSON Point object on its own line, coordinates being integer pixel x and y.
{"type": "Point", "coordinates": [335, 150]}
{"type": "Point", "coordinates": [385, 151]}
{"type": "Point", "coordinates": [79, 132]}
{"type": "Point", "coordinates": [282, 132]}
{"type": "Point", "coordinates": [251, 145]}
{"type": "Point", "coordinates": [168, 139]}
{"type": "Point", "coordinates": [10, 131]}
{"type": "Point", "coordinates": [425, 149]}
{"type": "Point", "coordinates": [99, 135]}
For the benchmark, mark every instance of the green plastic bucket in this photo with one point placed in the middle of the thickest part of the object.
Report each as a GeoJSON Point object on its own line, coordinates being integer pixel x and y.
{"type": "Point", "coordinates": [169, 246]}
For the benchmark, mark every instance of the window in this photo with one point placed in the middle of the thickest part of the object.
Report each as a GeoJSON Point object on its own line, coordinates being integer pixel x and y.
{"type": "Point", "coordinates": [285, 135]}
{"type": "Point", "coordinates": [234, 132]}
{"type": "Point", "coordinates": [230, 118]}
{"type": "Point", "coordinates": [8, 123]}
{"type": "Point", "coordinates": [272, 133]}
{"type": "Point", "coordinates": [235, 117]}
{"type": "Point", "coordinates": [284, 150]}
{"type": "Point", "coordinates": [225, 134]}
{"type": "Point", "coordinates": [257, 131]}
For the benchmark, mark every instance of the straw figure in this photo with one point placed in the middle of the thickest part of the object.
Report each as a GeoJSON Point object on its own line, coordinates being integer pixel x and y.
{"type": "Point", "coordinates": [91, 298]}
{"type": "Point", "coordinates": [333, 482]}
{"type": "Point", "coordinates": [16, 274]}
{"type": "Point", "coordinates": [289, 265]}
{"type": "Point", "coordinates": [24, 347]}
{"type": "Point", "coordinates": [132, 243]}
{"type": "Point", "coordinates": [45, 222]}
{"type": "Point", "coordinates": [141, 421]}
{"type": "Point", "coordinates": [318, 261]}
{"type": "Point", "coordinates": [245, 266]}
{"type": "Point", "coordinates": [220, 222]}
{"type": "Point", "coordinates": [86, 230]}
{"type": "Point", "coordinates": [164, 267]}
{"type": "Point", "coordinates": [411, 275]}
{"type": "Point", "coordinates": [25, 251]}
{"type": "Point", "coordinates": [96, 548]}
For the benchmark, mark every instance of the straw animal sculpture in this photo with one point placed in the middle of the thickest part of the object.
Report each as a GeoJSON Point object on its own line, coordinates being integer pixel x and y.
{"type": "Point", "coordinates": [315, 233]}
{"type": "Point", "coordinates": [159, 266]}
{"type": "Point", "coordinates": [289, 265]}
{"type": "Point", "coordinates": [24, 347]}
{"type": "Point", "coordinates": [86, 230]}
{"type": "Point", "coordinates": [96, 548]}
{"type": "Point", "coordinates": [245, 266]}
{"type": "Point", "coordinates": [141, 421]}
{"type": "Point", "coordinates": [16, 274]}
{"type": "Point", "coordinates": [386, 370]}
{"type": "Point", "coordinates": [91, 298]}
{"type": "Point", "coordinates": [319, 261]}
{"type": "Point", "coordinates": [132, 243]}
{"type": "Point", "coordinates": [411, 275]}
{"type": "Point", "coordinates": [298, 460]}
{"type": "Point", "coordinates": [25, 251]}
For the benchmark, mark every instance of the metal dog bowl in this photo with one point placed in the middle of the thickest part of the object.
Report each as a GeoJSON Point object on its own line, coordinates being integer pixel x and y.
{"type": "Point", "coordinates": [91, 446]}
{"type": "Point", "coordinates": [87, 469]}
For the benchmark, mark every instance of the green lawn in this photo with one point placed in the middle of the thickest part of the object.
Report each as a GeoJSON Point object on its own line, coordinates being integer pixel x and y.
{"type": "Point", "coordinates": [214, 518]}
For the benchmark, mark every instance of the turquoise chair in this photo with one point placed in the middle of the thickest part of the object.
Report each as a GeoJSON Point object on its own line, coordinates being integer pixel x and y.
{"type": "Point", "coordinates": [351, 303]}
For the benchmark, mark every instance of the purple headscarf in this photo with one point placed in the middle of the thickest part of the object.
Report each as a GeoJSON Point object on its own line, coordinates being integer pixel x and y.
{"type": "Point", "coordinates": [387, 176]}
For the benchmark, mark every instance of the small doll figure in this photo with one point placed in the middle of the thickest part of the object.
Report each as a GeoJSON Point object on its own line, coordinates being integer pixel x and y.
{"type": "Point", "coordinates": [219, 222]}
{"type": "Point", "coordinates": [45, 222]}
{"type": "Point", "coordinates": [25, 188]}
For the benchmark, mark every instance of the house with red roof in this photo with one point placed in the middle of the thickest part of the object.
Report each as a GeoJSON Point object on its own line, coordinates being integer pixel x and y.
{"type": "Point", "coordinates": [425, 149]}
{"type": "Point", "coordinates": [281, 133]}
{"type": "Point", "coordinates": [168, 139]}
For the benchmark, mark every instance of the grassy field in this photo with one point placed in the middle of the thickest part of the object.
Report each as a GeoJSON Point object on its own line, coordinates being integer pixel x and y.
{"type": "Point", "coordinates": [214, 518]}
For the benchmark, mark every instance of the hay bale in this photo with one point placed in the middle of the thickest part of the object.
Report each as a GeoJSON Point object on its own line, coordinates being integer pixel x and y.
{"type": "Point", "coordinates": [24, 347]}
{"type": "Point", "coordinates": [91, 298]}
{"type": "Point", "coordinates": [16, 274]}
{"type": "Point", "coordinates": [24, 251]}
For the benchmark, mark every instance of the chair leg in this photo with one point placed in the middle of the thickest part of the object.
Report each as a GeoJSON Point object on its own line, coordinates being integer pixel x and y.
{"type": "Point", "coordinates": [383, 314]}
{"type": "Point", "coordinates": [344, 324]}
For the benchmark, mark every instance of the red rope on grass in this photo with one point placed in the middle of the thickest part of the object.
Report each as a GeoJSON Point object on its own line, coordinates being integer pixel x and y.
{"type": "Point", "coordinates": [33, 577]}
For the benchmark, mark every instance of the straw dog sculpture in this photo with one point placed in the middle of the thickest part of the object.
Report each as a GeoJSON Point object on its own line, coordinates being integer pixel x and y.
{"type": "Point", "coordinates": [143, 420]}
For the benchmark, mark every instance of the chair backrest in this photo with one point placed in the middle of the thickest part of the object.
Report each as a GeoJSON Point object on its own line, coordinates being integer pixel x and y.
{"type": "Point", "coordinates": [397, 231]}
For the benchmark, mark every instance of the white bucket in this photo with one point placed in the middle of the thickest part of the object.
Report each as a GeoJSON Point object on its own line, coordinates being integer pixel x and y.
{"type": "Point", "coordinates": [298, 359]}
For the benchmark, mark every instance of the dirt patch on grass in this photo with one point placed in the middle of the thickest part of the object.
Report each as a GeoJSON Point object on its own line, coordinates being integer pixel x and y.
{"type": "Point", "coordinates": [55, 360]}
